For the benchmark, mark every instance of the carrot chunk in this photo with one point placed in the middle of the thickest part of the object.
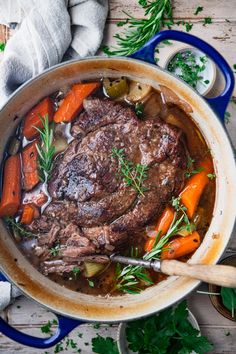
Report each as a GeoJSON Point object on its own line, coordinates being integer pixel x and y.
{"type": "Point", "coordinates": [33, 118]}
{"type": "Point", "coordinates": [161, 228]}
{"type": "Point", "coordinates": [73, 102]}
{"type": "Point", "coordinates": [11, 192]}
{"type": "Point", "coordinates": [29, 212]}
{"type": "Point", "coordinates": [181, 246]}
{"type": "Point", "coordinates": [30, 166]}
{"type": "Point", "coordinates": [192, 192]}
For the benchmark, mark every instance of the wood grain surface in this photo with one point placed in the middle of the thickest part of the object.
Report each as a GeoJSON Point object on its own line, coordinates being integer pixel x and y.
{"type": "Point", "coordinates": [28, 316]}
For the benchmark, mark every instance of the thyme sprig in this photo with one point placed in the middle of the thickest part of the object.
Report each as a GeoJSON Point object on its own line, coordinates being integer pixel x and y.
{"type": "Point", "coordinates": [46, 149]}
{"type": "Point", "coordinates": [17, 227]}
{"type": "Point", "coordinates": [128, 278]}
{"type": "Point", "coordinates": [133, 175]}
{"type": "Point", "coordinates": [54, 251]}
{"type": "Point", "coordinates": [139, 31]}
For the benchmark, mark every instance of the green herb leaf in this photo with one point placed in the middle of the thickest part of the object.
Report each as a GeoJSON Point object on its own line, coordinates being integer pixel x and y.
{"type": "Point", "coordinates": [128, 278]}
{"type": "Point", "coordinates": [229, 299]}
{"type": "Point", "coordinates": [76, 271]}
{"type": "Point", "coordinates": [90, 283]}
{"type": "Point", "coordinates": [227, 117]}
{"type": "Point", "coordinates": [47, 328]}
{"type": "Point", "coordinates": [46, 149]}
{"type": "Point", "coordinates": [207, 21]}
{"type": "Point", "coordinates": [188, 26]}
{"type": "Point", "coordinates": [139, 109]}
{"type": "Point", "coordinates": [198, 9]}
{"type": "Point", "coordinates": [17, 227]}
{"type": "Point", "coordinates": [157, 14]}
{"type": "Point", "coordinates": [211, 175]}
{"type": "Point", "coordinates": [193, 172]}
{"type": "Point", "coordinates": [133, 175]}
{"type": "Point", "coordinates": [2, 46]}
{"type": "Point", "coordinates": [55, 250]}
{"type": "Point", "coordinates": [168, 332]}
{"type": "Point", "coordinates": [185, 66]}
{"type": "Point", "coordinates": [102, 345]}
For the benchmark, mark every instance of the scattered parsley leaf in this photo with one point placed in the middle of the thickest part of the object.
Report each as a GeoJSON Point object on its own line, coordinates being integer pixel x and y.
{"type": "Point", "coordinates": [206, 82]}
{"type": "Point", "coordinates": [90, 283]}
{"type": "Point", "coordinates": [55, 250]}
{"type": "Point", "coordinates": [211, 175]}
{"type": "Point", "coordinates": [121, 23]}
{"type": "Point", "coordinates": [227, 117]}
{"type": "Point", "coordinates": [96, 325]}
{"type": "Point", "coordinates": [47, 327]}
{"type": "Point", "coordinates": [193, 172]}
{"type": "Point", "coordinates": [188, 26]}
{"type": "Point", "coordinates": [234, 67]}
{"type": "Point", "coordinates": [139, 109]}
{"type": "Point", "coordinates": [2, 46]}
{"type": "Point", "coordinates": [207, 21]}
{"type": "Point", "coordinates": [59, 347]}
{"type": "Point", "coordinates": [167, 42]}
{"type": "Point", "coordinates": [76, 271]}
{"type": "Point", "coordinates": [233, 99]}
{"type": "Point", "coordinates": [198, 9]}
{"type": "Point", "coordinates": [102, 345]}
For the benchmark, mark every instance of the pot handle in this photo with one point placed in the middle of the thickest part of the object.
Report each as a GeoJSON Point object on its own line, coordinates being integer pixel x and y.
{"type": "Point", "coordinates": [65, 326]}
{"type": "Point", "coordinates": [219, 103]}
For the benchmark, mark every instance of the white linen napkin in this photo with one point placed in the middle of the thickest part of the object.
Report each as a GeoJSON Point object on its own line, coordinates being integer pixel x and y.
{"type": "Point", "coordinates": [48, 31]}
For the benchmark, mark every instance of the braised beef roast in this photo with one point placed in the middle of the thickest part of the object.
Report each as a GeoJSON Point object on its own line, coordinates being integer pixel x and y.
{"type": "Point", "coordinates": [93, 211]}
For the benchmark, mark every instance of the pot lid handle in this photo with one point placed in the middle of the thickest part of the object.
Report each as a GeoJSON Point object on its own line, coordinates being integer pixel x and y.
{"type": "Point", "coordinates": [219, 103]}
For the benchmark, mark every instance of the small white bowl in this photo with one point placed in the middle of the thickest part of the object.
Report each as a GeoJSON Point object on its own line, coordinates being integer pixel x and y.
{"type": "Point", "coordinates": [123, 344]}
{"type": "Point", "coordinates": [208, 74]}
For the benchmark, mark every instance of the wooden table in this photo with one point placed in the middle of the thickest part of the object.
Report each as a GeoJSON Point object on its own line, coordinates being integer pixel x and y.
{"type": "Point", "coordinates": [26, 315]}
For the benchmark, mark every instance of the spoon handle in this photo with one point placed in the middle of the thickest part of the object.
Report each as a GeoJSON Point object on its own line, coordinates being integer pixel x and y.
{"type": "Point", "coordinates": [221, 275]}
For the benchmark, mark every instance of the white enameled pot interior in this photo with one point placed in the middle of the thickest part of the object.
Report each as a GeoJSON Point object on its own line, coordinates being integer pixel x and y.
{"type": "Point", "coordinates": [156, 298]}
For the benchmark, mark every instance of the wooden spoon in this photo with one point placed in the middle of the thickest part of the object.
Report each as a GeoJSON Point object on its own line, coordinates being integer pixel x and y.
{"type": "Point", "coordinates": [221, 275]}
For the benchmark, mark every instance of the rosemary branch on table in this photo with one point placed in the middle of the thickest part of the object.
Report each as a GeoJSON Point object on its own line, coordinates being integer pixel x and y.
{"type": "Point", "coordinates": [46, 149]}
{"type": "Point", "coordinates": [139, 31]}
{"type": "Point", "coordinates": [133, 175]}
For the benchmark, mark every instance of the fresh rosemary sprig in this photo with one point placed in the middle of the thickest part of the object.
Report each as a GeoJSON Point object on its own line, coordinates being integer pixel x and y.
{"type": "Point", "coordinates": [128, 278]}
{"type": "Point", "coordinates": [17, 227]}
{"type": "Point", "coordinates": [133, 175]}
{"type": "Point", "coordinates": [45, 149]}
{"type": "Point", "coordinates": [139, 31]}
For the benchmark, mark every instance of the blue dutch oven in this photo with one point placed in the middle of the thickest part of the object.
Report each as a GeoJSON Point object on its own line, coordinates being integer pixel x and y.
{"type": "Point", "coordinates": [74, 308]}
